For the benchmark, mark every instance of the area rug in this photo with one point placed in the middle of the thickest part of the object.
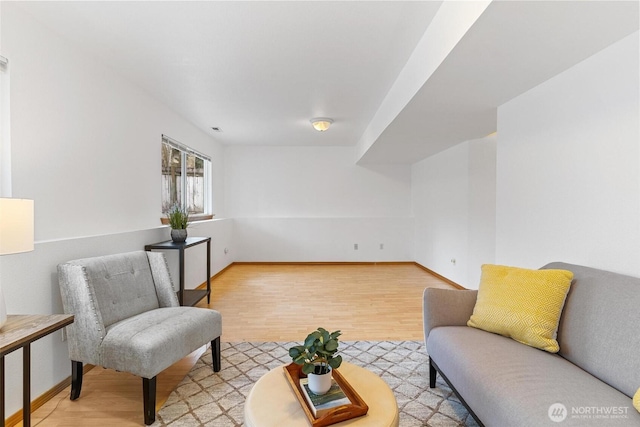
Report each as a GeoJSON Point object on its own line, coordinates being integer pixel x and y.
{"type": "Point", "coordinates": [205, 398]}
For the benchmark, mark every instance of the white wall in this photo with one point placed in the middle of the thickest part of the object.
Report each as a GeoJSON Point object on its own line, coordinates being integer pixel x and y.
{"type": "Point", "coordinates": [86, 148]}
{"type": "Point", "coordinates": [568, 167]}
{"type": "Point", "coordinates": [312, 182]}
{"type": "Point", "coordinates": [563, 183]}
{"type": "Point", "coordinates": [482, 207]}
{"type": "Point", "coordinates": [324, 239]}
{"type": "Point", "coordinates": [453, 195]}
{"type": "Point", "coordinates": [85, 143]}
{"type": "Point", "coordinates": [314, 204]}
{"type": "Point", "coordinates": [440, 186]}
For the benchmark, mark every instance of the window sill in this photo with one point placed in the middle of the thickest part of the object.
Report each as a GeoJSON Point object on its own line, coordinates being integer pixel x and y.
{"type": "Point", "coordinates": [192, 218]}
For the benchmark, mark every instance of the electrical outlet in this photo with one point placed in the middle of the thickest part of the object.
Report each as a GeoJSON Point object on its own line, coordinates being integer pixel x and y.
{"type": "Point", "coordinates": [355, 246]}
{"type": "Point", "coordinates": [381, 245]}
{"type": "Point", "coordinates": [226, 251]}
{"type": "Point", "coordinates": [453, 261]}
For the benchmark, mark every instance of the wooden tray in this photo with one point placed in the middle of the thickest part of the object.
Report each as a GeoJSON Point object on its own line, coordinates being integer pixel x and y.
{"type": "Point", "coordinates": [357, 408]}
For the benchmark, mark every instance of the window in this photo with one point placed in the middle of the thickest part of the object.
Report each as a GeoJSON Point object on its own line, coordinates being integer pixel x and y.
{"type": "Point", "coordinates": [185, 178]}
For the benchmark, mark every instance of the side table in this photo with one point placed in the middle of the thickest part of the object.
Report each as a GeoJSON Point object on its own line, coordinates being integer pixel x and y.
{"type": "Point", "coordinates": [188, 297]}
{"type": "Point", "coordinates": [19, 332]}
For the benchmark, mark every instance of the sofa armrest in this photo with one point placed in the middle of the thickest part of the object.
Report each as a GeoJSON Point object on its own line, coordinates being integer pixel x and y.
{"type": "Point", "coordinates": [446, 307]}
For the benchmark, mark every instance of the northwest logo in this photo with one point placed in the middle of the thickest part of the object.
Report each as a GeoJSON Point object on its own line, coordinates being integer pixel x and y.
{"type": "Point", "coordinates": [557, 412]}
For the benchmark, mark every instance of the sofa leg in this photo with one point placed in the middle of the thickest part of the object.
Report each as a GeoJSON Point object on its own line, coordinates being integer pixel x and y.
{"type": "Point", "coordinates": [432, 374]}
{"type": "Point", "coordinates": [76, 379]}
{"type": "Point", "coordinates": [215, 354]}
{"type": "Point", "coordinates": [149, 399]}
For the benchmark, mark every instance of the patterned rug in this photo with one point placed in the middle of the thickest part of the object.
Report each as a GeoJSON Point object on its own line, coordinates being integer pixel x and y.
{"type": "Point", "coordinates": [205, 398]}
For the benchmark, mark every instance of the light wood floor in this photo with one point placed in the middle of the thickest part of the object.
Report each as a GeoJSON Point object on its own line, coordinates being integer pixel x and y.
{"type": "Point", "coordinates": [265, 303]}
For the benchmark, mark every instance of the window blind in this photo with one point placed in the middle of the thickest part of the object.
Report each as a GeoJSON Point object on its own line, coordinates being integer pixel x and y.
{"type": "Point", "coordinates": [175, 144]}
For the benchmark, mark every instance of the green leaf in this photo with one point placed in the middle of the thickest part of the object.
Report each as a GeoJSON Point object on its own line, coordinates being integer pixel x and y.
{"type": "Point", "coordinates": [178, 216]}
{"type": "Point", "coordinates": [335, 362]}
{"type": "Point", "coordinates": [331, 345]}
{"type": "Point", "coordinates": [296, 351]}
{"type": "Point", "coordinates": [319, 346]}
{"type": "Point", "coordinates": [311, 339]}
{"type": "Point", "coordinates": [308, 368]}
{"type": "Point", "coordinates": [335, 335]}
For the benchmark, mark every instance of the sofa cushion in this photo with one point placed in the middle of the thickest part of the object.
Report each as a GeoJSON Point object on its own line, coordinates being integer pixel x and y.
{"type": "Point", "coordinates": [521, 304]}
{"type": "Point", "coordinates": [152, 341]}
{"type": "Point", "coordinates": [599, 325]}
{"type": "Point", "coordinates": [510, 384]}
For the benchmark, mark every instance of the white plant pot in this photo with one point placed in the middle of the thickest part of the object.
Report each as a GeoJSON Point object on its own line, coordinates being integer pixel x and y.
{"type": "Point", "coordinates": [320, 384]}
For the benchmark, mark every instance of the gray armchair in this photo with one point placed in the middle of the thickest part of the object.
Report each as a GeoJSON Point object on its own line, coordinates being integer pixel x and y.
{"type": "Point", "coordinates": [127, 318]}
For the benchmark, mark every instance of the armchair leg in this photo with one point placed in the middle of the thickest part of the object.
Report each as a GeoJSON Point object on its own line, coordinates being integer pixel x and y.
{"type": "Point", "coordinates": [149, 399]}
{"type": "Point", "coordinates": [76, 379]}
{"type": "Point", "coordinates": [215, 354]}
{"type": "Point", "coordinates": [432, 374]}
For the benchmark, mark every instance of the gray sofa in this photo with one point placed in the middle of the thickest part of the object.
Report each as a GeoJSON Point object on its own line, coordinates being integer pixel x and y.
{"type": "Point", "coordinates": [503, 383]}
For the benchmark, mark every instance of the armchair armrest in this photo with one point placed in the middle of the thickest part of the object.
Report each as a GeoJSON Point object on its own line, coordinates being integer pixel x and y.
{"type": "Point", "coordinates": [78, 298]}
{"type": "Point", "coordinates": [446, 307]}
{"type": "Point", "coordinates": [162, 280]}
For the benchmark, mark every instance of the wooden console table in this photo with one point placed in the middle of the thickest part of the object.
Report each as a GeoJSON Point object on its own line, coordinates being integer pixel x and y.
{"type": "Point", "coordinates": [188, 297]}
{"type": "Point", "coordinates": [19, 332]}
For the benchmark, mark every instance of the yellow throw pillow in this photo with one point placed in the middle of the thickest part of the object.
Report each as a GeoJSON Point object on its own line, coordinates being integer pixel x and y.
{"type": "Point", "coordinates": [521, 304]}
{"type": "Point", "coordinates": [636, 400]}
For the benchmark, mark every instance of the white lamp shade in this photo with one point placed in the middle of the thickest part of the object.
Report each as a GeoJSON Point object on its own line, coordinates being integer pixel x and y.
{"type": "Point", "coordinates": [16, 226]}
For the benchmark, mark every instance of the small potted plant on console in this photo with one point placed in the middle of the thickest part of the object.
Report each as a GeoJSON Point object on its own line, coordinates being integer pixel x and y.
{"type": "Point", "coordinates": [318, 357]}
{"type": "Point", "coordinates": [178, 217]}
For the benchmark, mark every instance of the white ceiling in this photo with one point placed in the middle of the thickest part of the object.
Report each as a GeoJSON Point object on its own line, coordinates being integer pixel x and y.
{"type": "Point", "coordinates": [260, 70]}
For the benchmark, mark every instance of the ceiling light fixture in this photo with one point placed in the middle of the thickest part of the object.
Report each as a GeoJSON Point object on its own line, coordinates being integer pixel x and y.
{"type": "Point", "coordinates": [321, 123]}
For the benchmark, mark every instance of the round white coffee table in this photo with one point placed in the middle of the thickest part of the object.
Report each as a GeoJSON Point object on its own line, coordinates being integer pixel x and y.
{"type": "Point", "coordinates": [272, 403]}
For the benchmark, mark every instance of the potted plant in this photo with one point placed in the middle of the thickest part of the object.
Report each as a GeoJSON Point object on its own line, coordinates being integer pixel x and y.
{"type": "Point", "coordinates": [318, 356]}
{"type": "Point", "coordinates": [178, 217]}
